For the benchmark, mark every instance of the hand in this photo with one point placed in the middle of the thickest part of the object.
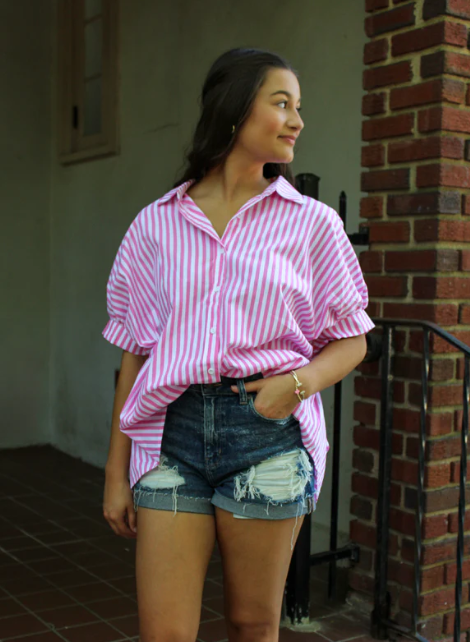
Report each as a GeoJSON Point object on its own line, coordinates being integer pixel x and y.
{"type": "Point", "coordinates": [118, 506]}
{"type": "Point", "coordinates": [275, 397]}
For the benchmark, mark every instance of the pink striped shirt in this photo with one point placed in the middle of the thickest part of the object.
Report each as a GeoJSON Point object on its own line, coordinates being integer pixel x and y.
{"type": "Point", "coordinates": [282, 282]}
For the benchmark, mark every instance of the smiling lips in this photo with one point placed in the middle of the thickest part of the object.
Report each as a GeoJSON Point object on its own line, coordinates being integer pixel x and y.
{"type": "Point", "coordinates": [289, 139]}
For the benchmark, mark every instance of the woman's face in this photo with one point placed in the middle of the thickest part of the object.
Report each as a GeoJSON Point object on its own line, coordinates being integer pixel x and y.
{"type": "Point", "coordinates": [270, 131]}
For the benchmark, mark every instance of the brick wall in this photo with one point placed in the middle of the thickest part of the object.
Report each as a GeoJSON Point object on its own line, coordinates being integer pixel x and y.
{"type": "Point", "coordinates": [416, 154]}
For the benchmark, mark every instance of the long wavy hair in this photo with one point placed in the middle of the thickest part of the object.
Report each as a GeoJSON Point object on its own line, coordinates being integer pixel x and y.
{"type": "Point", "coordinates": [227, 98]}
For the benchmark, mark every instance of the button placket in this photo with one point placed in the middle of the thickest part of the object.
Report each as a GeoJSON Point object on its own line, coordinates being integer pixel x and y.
{"type": "Point", "coordinates": [214, 302]}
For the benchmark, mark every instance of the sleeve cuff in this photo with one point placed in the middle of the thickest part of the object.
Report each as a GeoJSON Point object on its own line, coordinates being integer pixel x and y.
{"type": "Point", "coordinates": [118, 335]}
{"type": "Point", "coordinates": [350, 326]}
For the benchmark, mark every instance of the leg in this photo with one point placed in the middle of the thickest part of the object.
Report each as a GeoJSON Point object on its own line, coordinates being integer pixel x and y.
{"type": "Point", "coordinates": [256, 554]}
{"type": "Point", "coordinates": [172, 555]}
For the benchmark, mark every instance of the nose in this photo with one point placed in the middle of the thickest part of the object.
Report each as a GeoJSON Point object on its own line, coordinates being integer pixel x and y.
{"type": "Point", "coordinates": [296, 122]}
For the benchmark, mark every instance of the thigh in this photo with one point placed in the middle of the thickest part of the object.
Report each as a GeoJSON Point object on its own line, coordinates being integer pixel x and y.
{"type": "Point", "coordinates": [256, 554]}
{"type": "Point", "coordinates": [172, 556]}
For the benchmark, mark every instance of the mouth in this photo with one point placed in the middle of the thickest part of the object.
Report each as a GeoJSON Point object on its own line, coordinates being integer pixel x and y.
{"type": "Point", "coordinates": [289, 139]}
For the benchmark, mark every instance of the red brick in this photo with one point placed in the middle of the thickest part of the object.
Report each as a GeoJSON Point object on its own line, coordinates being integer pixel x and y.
{"type": "Point", "coordinates": [398, 232]}
{"type": "Point", "coordinates": [445, 202]}
{"type": "Point", "coordinates": [454, 525]}
{"type": "Point", "coordinates": [369, 369]}
{"type": "Point", "coordinates": [438, 552]}
{"type": "Point", "coordinates": [376, 5]}
{"type": "Point", "coordinates": [371, 207]}
{"type": "Point", "coordinates": [434, 91]}
{"type": "Point", "coordinates": [361, 507]}
{"type": "Point", "coordinates": [445, 62]}
{"type": "Point", "coordinates": [441, 287]}
{"type": "Point", "coordinates": [448, 628]}
{"type": "Point", "coordinates": [400, 572]}
{"type": "Point", "coordinates": [442, 230]}
{"type": "Point", "coordinates": [380, 128]}
{"type": "Point", "coordinates": [374, 309]}
{"type": "Point", "coordinates": [465, 261]}
{"type": "Point", "coordinates": [408, 367]}
{"type": "Point", "coordinates": [455, 476]}
{"type": "Point", "coordinates": [466, 204]}
{"type": "Point", "coordinates": [370, 387]}
{"type": "Point", "coordinates": [371, 261]}
{"type": "Point", "coordinates": [386, 179]}
{"type": "Point", "coordinates": [464, 314]}
{"type": "Point", "coordinates": [373, 104]}
{"type": "Point", "coordinates": [421, 260]}
{"type": "Point", "coordinates": [390, 20]}
{"type": "Point", "coordinates": [444, 119]}
{"type": "Point", "coordinates": [442, 175]}
{"type": "Point", "coordinates": [457, 8]}
{"type": "Point", "coordinates": [438, 395]}
{"type": "Point", "coordinates": [404, 471]}
{"type": "Point", "coordinates": [375, 51]}
{"type": "Point", "coordinates": [421, 149]}
{"type": "Point", "coordinates": [374, 155]}
{"type": "Point", "coordinates": [435, 448]}
{"type": "Point", "coordinates": [431, 627]}
{"type": "Point", "coordinates": [402, 521]}
{"type": "Point", "coordinates": [432, 578]}
{"type": "Point", "coordinates": [366, 437]}
{"type": "Point", "coordinates": [451, 572]}
{"type": "Point", "coordinates": [442, 314]}
{"type": "Point", "coordinates": [436, 475]}
{"type": "Point", "coordinates": [364, 485]}
{"type": "Point", "coordinates": [437, 345]}
{"type": "Point", "coordinates": [387, 286]}
{"type": "Point", "coordinates": [434, 526]}
{"type": "Point", "coordinates": [441, 33]}
{"type": "Point", "coordinates": [394, 74]}
{"type": "Point", "coordinates": [363, 460]}
{"type": "Point", "coordinates": [365, 412]}
{"type": "Point", "coordinates": [436, 601]}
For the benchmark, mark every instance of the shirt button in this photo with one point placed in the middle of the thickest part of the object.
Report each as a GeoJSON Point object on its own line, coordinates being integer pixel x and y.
{"type": "Point", "coordinates": [212, 330]}
{"type": "Point", "coordinates": [211, 371]}
{"type": "Point", "coordinates": [216, 288]}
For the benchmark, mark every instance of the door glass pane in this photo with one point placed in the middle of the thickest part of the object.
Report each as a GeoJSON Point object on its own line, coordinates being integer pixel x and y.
{"type": "Point", "coordinates": [92, 8]}
{"type": "Point", "coordinates": [92, 121]}
{"type": "Point", "coordinates": [93, 47]}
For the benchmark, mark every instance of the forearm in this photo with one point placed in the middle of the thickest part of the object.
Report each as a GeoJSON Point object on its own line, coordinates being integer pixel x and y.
{"type": "Point", "coordinates": [332, 363]}
{"type": "Point", "coordinates": [120, 444]}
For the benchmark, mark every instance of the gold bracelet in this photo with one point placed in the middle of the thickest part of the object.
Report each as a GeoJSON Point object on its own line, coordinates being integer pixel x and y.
{"type": "Point", "coordinates": [300, 393]}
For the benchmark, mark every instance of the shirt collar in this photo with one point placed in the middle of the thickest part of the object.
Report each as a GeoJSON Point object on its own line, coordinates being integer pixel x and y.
{"type": "Point", "coordinates": [279, 185]}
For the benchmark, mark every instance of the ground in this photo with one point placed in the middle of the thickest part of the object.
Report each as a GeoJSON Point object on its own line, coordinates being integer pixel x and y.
{"type": "Point", "coordinates": [64, 575]}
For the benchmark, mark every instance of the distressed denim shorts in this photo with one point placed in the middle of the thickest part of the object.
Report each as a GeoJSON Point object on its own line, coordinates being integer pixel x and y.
{"type": "Point", "coordinates": [218, 450]}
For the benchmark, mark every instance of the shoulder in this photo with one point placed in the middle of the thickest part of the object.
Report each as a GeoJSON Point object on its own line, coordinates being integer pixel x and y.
{"type": "Point", "coordinates": [144, 222]}
{"type": "Point", "coordinates": [320, 215]}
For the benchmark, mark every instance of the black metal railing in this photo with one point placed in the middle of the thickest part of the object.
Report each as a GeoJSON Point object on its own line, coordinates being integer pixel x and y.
{"type": "Point", "coordinates": [297, 591]}
{"type": "Point", "coordinates": [384, 345]}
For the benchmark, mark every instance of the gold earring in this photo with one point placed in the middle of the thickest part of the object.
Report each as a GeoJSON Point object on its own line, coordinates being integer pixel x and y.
{"type": "Point", "coordinates": [233, 129]}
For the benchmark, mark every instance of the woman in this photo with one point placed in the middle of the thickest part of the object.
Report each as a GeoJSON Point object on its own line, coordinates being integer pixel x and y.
{"type": "Point", "coordinates": [221, 294]}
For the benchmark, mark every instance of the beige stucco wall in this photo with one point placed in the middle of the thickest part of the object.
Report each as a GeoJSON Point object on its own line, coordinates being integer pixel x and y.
{"type": "Point", "coordinates": [166, 49]}
{"type": "Point", "coordinates": [25, 186]}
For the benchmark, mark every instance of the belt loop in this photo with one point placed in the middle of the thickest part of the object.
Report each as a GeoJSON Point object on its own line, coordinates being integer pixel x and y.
{"type": "Point", "coordinates": [242, 392]}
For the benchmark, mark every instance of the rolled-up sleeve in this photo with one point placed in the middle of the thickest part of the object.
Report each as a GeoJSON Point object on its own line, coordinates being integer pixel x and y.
{"type": "Point", "coordinates": [343, 295]}
{"type": "Point", "coordinates": [127, 303]}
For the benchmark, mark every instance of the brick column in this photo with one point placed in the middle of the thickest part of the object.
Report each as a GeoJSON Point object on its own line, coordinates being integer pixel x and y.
{"type": "Point", "coordinates": [416, 132]}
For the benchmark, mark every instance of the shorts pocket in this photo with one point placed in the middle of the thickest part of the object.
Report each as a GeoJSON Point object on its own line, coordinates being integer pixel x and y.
{"type": "Point", "coordinates": [282, 420]}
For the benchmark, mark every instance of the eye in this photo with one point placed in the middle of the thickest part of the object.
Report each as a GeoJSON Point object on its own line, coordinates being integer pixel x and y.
{"type": "Point", "coordinates": [283, 102]}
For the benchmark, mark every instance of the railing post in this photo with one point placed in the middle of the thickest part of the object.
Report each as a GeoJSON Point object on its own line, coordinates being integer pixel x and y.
{"type": "Point", "coordinates": [381, 597]}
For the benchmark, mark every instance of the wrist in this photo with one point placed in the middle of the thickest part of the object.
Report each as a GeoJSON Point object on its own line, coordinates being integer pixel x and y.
{"type": "Point", "coordinates": [305, 378]}
{"type": "Point", "coordinates": [116, 470]}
